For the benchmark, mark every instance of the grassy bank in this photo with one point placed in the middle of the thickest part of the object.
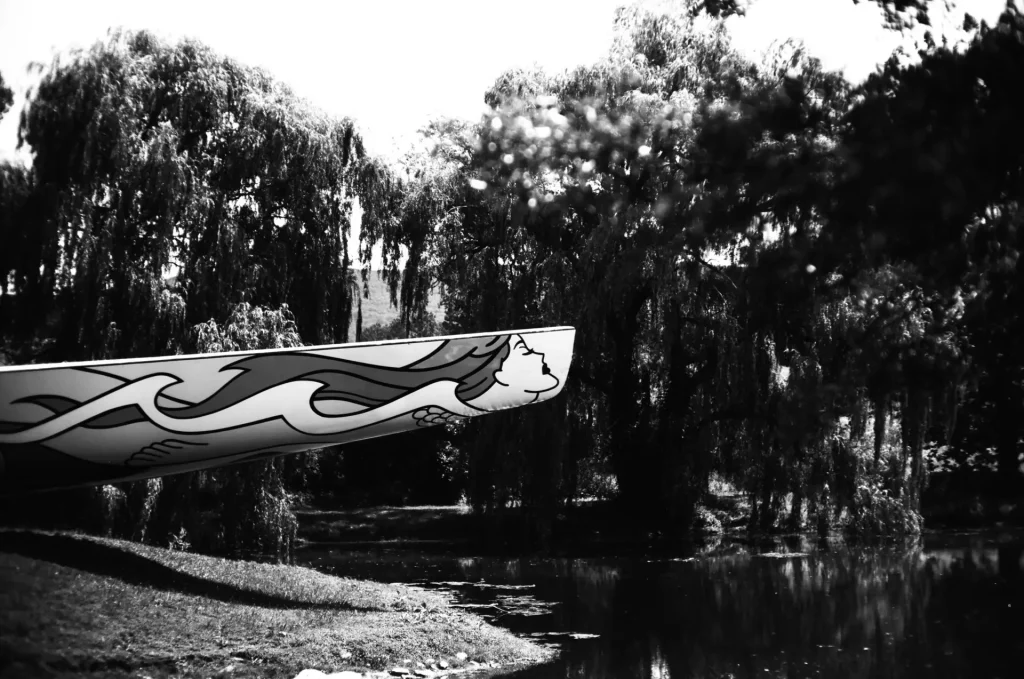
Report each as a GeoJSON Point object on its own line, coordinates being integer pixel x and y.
{"type": "Point", "coordinates": [85, 606]}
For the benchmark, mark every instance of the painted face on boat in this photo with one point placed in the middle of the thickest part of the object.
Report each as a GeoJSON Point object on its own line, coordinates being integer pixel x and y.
{"type": "Point", "coordinates": [523, 376]}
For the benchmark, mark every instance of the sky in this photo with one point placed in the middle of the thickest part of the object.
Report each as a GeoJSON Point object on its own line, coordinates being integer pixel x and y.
{"type": "Point", "coordinates": [392, 65]}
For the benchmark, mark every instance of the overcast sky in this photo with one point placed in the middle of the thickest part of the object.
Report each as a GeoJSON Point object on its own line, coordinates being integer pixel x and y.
{"type": "Point", "coordinates": [393, 64]}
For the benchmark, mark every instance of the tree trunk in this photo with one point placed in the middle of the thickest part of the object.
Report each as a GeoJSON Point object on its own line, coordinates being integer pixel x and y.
{"type": "Point", "coordinates": [630, 458]}
{"type": "Point", "coordinates": [796, 508]}
{"type": "Point", "coordinates": [768, 509]}
{"type": "Point", "coordinates": [880, 413]}
{"type": "Point", "coordinates": [914, 423]}
{"type": "Point", "coordinates": [1008, 430]}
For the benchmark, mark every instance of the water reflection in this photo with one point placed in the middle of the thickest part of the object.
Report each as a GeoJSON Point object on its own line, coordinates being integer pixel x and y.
{"type": "Point", "coordinates": [946, 607]}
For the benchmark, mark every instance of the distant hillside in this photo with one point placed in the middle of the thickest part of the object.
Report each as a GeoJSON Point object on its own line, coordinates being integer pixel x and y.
{"type": "Point", "coordinates": [377, 308]}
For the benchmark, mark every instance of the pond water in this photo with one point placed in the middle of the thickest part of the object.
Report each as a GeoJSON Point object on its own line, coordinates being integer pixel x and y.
{"type": "Point", "coordinates": [946, 605]}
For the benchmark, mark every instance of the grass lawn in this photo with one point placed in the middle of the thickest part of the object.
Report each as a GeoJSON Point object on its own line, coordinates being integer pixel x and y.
{"type": "Point", "coordinates": [84, 606]}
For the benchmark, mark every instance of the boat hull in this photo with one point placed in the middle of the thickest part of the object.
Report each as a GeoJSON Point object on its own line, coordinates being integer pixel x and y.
{"type": "Point", "coordinates": [74, 424]}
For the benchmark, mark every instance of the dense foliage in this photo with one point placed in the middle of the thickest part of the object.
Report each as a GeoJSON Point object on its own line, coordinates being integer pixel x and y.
{"type": "Point", "coordinates": [756, 258]}
{"type": "Point", "coordinates": [801, 286]}
{"type": "Point", "coordinates": [176, 202]}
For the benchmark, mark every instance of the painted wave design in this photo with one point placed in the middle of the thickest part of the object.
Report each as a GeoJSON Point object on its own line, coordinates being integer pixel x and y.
{"type": "Point", "coordinates": [181, 416]}
{"type": "Point", "coordinates": [285, 387]}
{"type": "Point", "coordinates": [291, 402]}
{"type": "Point", "coordinates": [59, 405]}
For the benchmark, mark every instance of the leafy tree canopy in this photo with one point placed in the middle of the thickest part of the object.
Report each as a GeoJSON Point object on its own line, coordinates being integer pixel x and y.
{"type": "Point", "coordinates": [153, 160]}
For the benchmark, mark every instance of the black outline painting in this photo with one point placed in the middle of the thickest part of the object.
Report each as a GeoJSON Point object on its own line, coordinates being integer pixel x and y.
{"type": "Point", "coordinates": [76, 423]}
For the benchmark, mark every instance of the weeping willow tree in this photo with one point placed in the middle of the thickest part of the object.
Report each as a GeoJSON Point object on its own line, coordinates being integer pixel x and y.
{"type": "Point", "coordinates": [945, 199]}
{"type": "Point", "coordinates": [910, 248]}
{"type": "Point", "coordinates": [6, 97]}
{"type": "Point", "coordinates": [888, 231]}
{"type": "Point", "coordinates": [677, 204]}
{"type": "Point", "coordinates": [176, 201]}
{"type": "Point", "coordinates": [670, 265]}
{"type": "Point", "coordinates": [242, 510]}
{"type": "Point", "coordinates": [178, 183]}
{"type": "Point", "coordinates": [676, 200]}
{"type": "Point", "coordinates": [256, 515]}
{"type": "Point", "coordinates": [827, 351]}
{"type": "Point", "coordinates": [578, 204]}
{"type": "Point", "coordinates": [17, 201]}
{"type": "Point", "coordinates": [847, 416]}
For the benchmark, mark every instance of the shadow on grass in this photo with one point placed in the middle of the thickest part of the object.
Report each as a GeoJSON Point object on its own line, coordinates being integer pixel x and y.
{"type": "Point", "coordinates": [106, 560]}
